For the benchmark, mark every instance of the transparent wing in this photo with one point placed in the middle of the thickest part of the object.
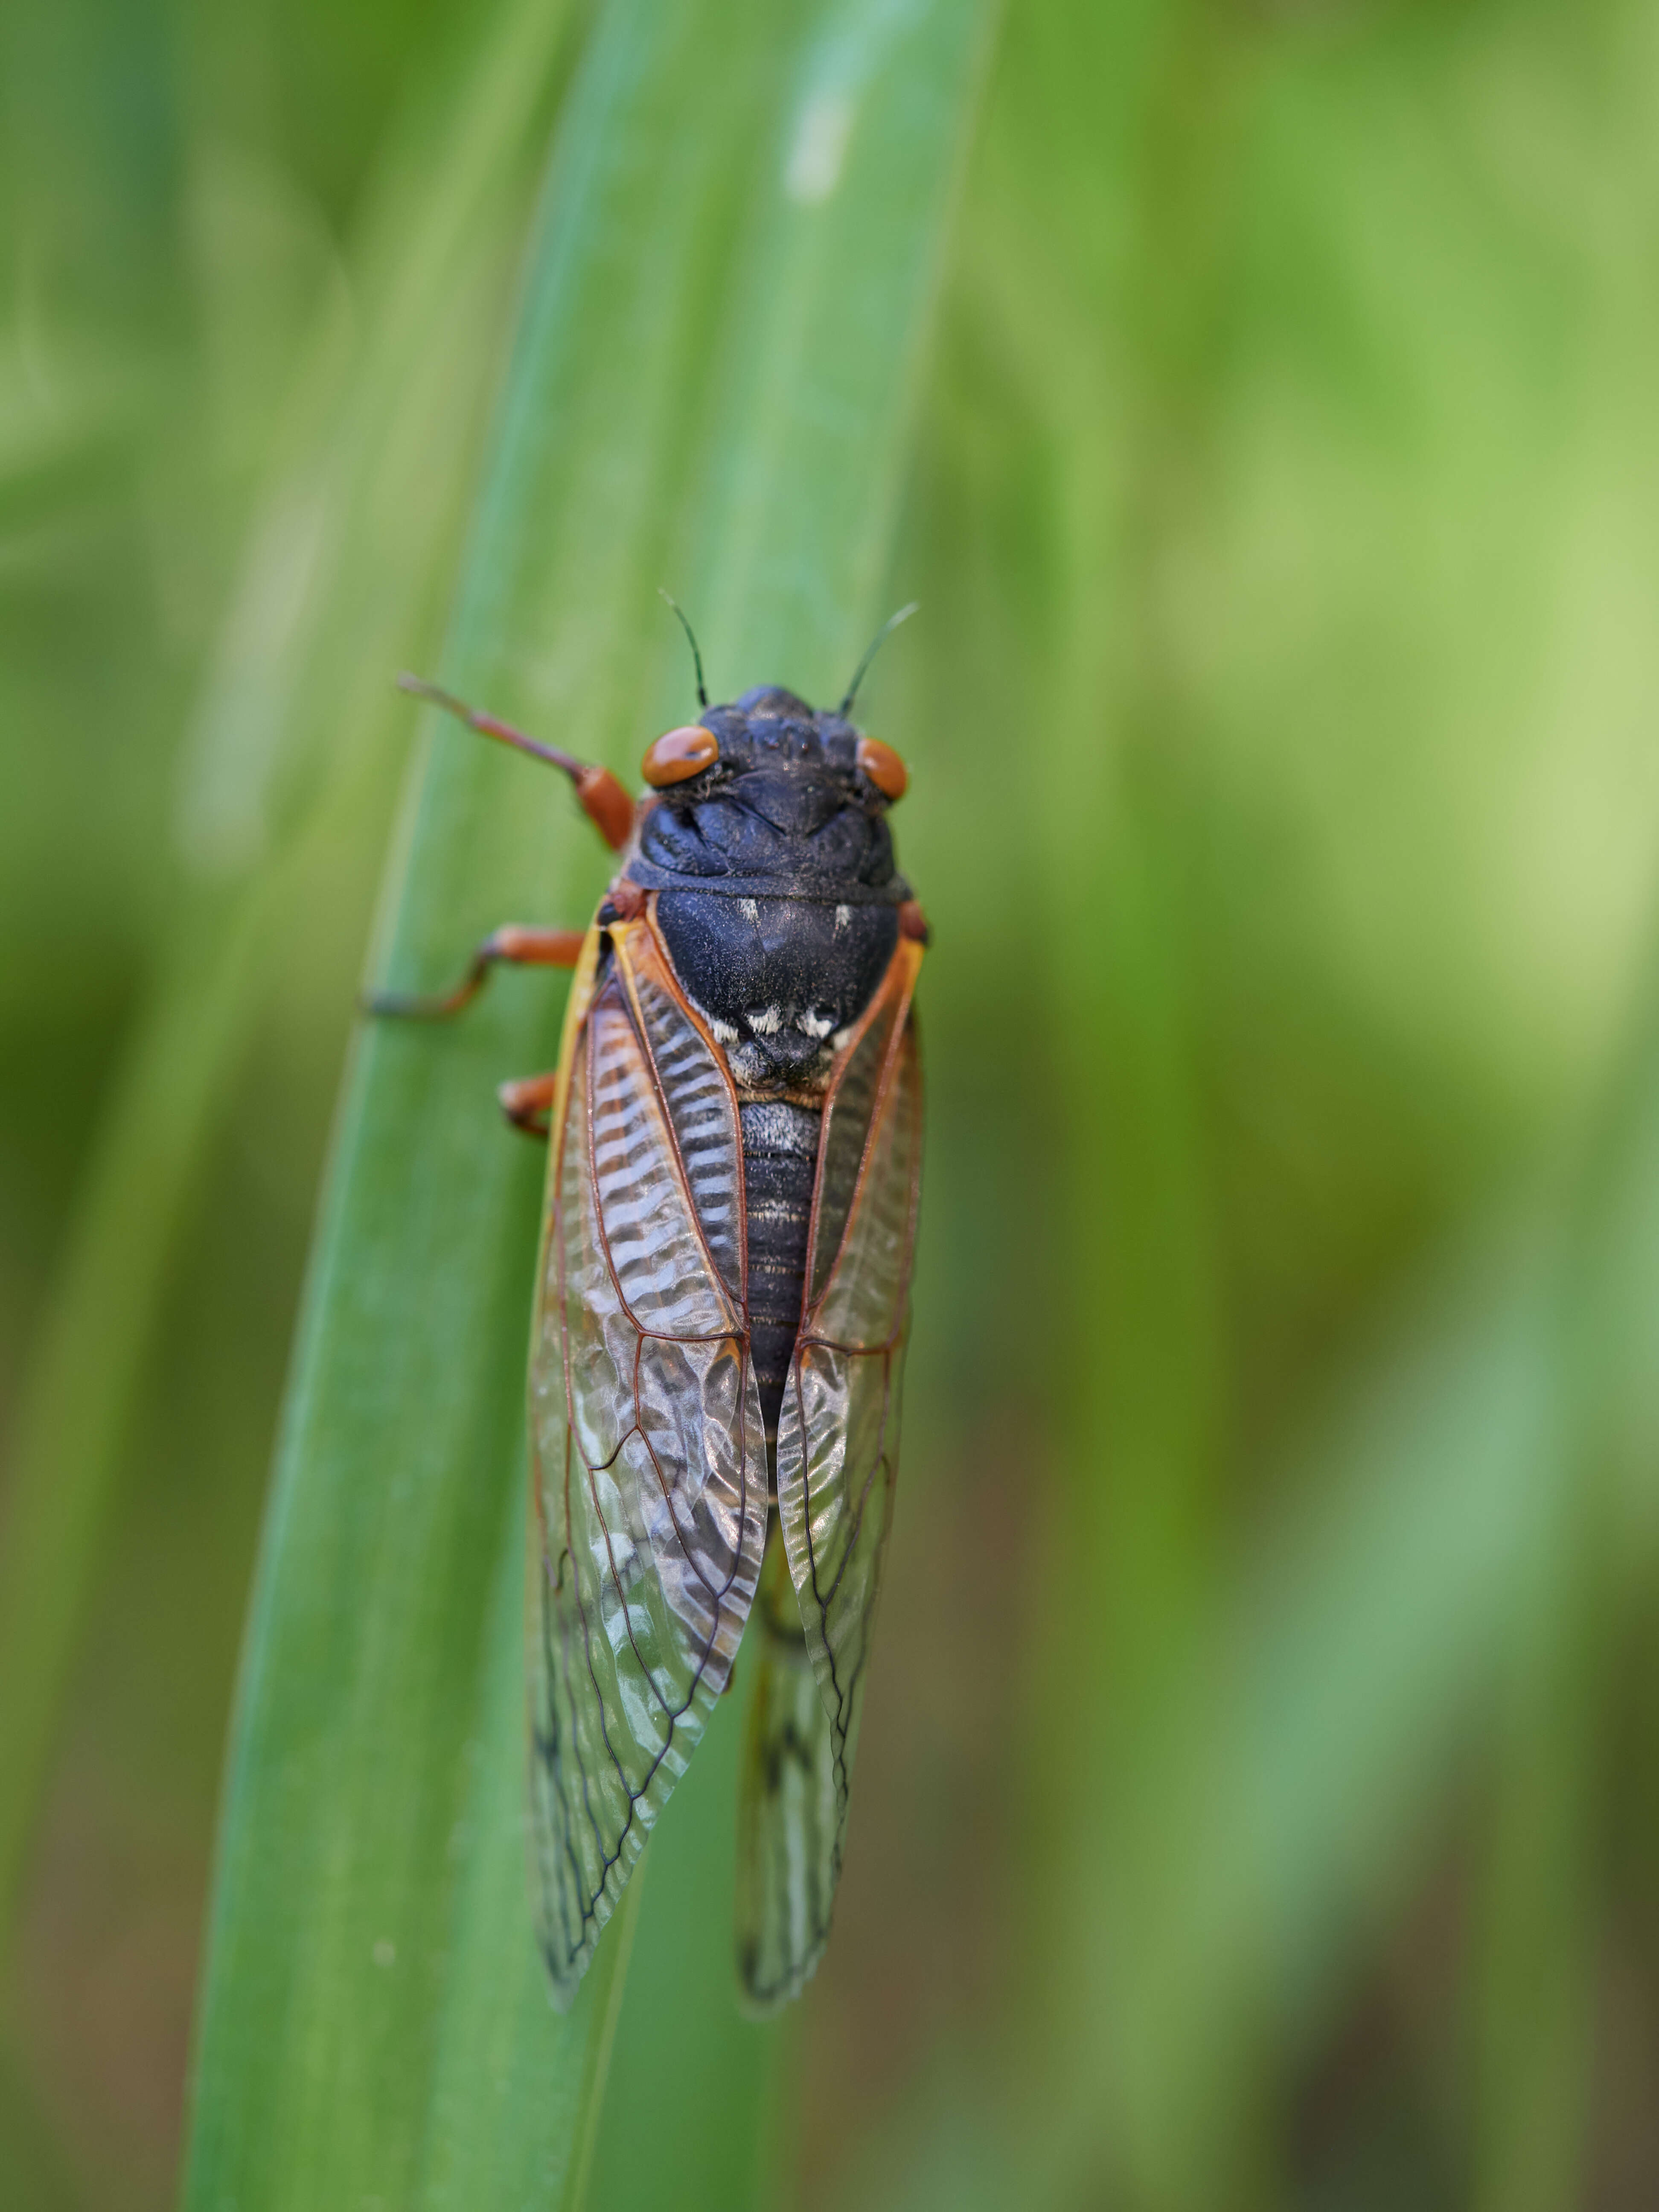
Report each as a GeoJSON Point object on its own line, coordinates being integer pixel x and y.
{"type": "Point", "coordinates": [787, 1819]}
{"type": "Point", "coordinates": [838, 1430]}
{"type": "Point", "coordinates": [650, 1484]}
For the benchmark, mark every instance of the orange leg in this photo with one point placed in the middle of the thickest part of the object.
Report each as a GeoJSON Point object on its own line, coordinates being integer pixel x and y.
{"type": "Point", "coordinates": [525, 948]}
{"type": "Point", "coordinates": [528, 1103]}
{"type": "Point", "coordinates": [599, 794]}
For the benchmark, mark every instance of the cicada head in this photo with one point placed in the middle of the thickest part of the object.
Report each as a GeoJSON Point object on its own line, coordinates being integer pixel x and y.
{"type": "Point", "coordinates": [791, 800]}
{"type": "Point", "coordinates": [778, 896]}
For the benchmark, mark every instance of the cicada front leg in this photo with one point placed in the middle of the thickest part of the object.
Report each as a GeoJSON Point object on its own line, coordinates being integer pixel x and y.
{"type": "Point", "coordinates": [513, 942]}
{"type": "Point", "coordinates": [599, 794]}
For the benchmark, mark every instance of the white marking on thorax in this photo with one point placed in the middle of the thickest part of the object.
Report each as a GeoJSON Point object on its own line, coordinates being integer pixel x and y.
{"type": "Point", "coordinates": [748, 909]}
{"type": "Point", "coordinates": [843, 918]}
{"type": "Point", "coordinates": [765, 1021]}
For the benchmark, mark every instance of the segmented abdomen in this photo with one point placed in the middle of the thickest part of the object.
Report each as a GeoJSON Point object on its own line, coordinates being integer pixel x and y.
{"type": "Point", "coordinates": [780, 1160]}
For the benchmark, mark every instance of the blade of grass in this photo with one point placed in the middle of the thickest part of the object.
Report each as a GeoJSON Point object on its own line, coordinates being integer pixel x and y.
{"type": "Point", "coordinates": [489, 2067]}
{"type": "Point", "coordinates": [293, 706]}
{"type": "Point", "coordinates": [789, 549]}
{"type": "Point", "coordinates": [696, 280]}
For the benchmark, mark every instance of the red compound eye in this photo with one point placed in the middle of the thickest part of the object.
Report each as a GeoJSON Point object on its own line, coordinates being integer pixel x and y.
{"type": "Point", "coordinates": [883, 767]}
{"type": "Point", "coordinates": [679, 754]}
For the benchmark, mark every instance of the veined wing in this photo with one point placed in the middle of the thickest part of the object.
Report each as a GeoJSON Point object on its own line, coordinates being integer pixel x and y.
{"type": "Point", "coordinates": [837, 1454]}
{"type": "Point", "coordinates": [649, 1479]}
{"type": "Point", "coordinates": [788, 1822]}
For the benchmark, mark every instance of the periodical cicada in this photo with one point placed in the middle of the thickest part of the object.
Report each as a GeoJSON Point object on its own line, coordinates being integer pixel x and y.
{"type": "Point", "coordinates": [721, 1305]}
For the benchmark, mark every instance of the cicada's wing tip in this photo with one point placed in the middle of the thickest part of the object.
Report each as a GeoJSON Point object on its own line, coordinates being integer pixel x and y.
{"type": "Point", "coordinates": [762, 2004]}
{"type": "Point", "coordinates": [562, 1983]}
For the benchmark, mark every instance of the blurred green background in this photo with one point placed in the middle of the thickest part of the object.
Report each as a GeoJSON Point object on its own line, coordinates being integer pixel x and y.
{"type": "Point", "coordinates": [1258, 1801]}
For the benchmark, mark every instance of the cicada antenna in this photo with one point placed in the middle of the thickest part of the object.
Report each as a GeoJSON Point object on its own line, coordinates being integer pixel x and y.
{"type": "Point", "coordinates": [876, 644]}
{"type": "Point", "coordinates": [691, 640]}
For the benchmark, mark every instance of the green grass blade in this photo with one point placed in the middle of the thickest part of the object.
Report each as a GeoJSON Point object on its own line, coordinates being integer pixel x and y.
{"type": "Point", "coordinates": [712, 387]}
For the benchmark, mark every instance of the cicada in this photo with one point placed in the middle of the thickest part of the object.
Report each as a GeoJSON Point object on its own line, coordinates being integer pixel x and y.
{"type": "Point", "coordinates": [721, 1305]}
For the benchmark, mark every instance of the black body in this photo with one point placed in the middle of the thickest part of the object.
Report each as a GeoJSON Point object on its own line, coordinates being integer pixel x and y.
{"type": "Point", "coordinates": [780, 1159]}
{"type": "Point", "coordinates": [778, 901]}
